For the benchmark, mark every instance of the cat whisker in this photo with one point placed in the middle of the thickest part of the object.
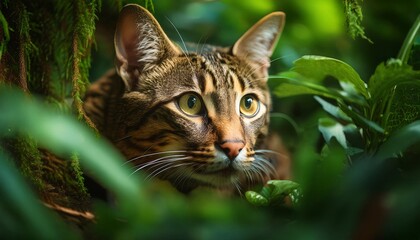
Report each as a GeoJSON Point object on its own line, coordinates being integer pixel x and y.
{"type": "Point", "coordinates": [201, 46]}
{"type": "Point", "coordinates": [269, 168]}
{"type": "Point", "coordinates": [123, 138]}
{"type": "Point", "coordinates": [248, 175]}
{"type": "Point", "coordinates": [185, 52]}
{"type": "Point", "coordinates": [158, 162]}
{"type": "Point", "coordinates": [254, 69]}
{"type": "Point", "coordinates": [265, 165]}
{"type": "Point", "coordinates": [154, 154]}
{"type": "Point", "coordinates": [259, 169]}
{"type": "Point", "coordinates": [237, 186]}
{"type": "Point", "coordinates": [165, 168]}
{"type": "Point", "coordinates": [266, 151]}
{"type": "Point", "coordinates": [183, 176]}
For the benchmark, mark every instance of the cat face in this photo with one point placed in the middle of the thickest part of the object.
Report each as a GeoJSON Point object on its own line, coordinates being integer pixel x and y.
{"type": "Point", "coordinates": [194, 118]}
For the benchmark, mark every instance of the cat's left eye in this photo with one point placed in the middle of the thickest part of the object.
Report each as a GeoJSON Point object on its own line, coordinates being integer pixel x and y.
{"type": "Point", "coordinates": [190, 104]}
{"type": "Point", "coordinates": [249, 105]}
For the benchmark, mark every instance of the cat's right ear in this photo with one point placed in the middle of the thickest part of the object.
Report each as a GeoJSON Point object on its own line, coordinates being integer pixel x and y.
{"type": "Point", "coordinates": [140, 43]}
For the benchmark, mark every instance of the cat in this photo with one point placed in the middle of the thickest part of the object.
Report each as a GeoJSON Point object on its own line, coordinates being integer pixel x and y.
{"type": "Point", "coordinates": [193, 118]}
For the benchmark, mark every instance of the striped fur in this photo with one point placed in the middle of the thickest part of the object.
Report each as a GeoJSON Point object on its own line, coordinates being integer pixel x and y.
{"type": "Point", "coordinates": [137, 107]}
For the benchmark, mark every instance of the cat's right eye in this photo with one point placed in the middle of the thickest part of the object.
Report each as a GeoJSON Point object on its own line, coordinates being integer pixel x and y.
{"type": "Point", "coordinates": [190, 104]}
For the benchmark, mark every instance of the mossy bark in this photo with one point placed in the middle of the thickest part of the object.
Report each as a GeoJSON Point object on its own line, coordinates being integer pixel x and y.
{"type": "Point", "coordinates": [45, 51]}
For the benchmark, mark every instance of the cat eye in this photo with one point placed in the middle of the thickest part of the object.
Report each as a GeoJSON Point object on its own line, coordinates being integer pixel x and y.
{"type": "Point", "coordinates": [249, 105]}
{"type": "Point", "coordinates": [190, 104]}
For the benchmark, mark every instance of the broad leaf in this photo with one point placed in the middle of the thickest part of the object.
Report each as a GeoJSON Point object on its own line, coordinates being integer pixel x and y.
{"type": "Point", "coordinates": [405, 107]}
{"type": "Point", "coordinates": [256, 199]}
{"type": "Point", "coordinates": [294, 84]}
{"type": "Point", "coordinates": [386, 77]}
{"type": "Point", "coordinates": [281, 188]}
{"type": "Point", "coordinates": [395, 90]}
{"type": "Point", "coordinates": [318, 68]}
{"type": "Point", "coordinates": [273, 193]}
{"type": "Point", "coordinates": [333, 110]}
{"type": "Point", "coordinates": [361, 121]}
{"type": "Point", "coordinates": [332, 129]}
{"type": "Point", "coordinates": [22, 214]}
{"type": "Point", "coordinates": [63, 135]}
{"type": "Point", "coordinates": [400, 140]}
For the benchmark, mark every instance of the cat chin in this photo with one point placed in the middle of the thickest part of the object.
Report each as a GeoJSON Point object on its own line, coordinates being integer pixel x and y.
{"type": "Point", "coordinates": [224, 179]}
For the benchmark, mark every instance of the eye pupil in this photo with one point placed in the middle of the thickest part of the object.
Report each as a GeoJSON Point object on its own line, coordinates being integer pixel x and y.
{"type": "Point", "coordinates": [249, 106]}
{"type": "Point", "coordinates": [190, 104]}
{"type": "Point", "coordinates": [192, 100]}
{"type": "Point", "coordinates": [248, 102]}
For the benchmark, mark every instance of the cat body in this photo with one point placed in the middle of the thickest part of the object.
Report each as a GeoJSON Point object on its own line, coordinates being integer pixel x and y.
{"type": "Point", "coordinates": [193, 118]}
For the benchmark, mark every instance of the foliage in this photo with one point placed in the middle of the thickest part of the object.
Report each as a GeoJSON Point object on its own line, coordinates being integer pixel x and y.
{"type": "Point", "coordinates": [389, 101]}
{"type": "Point", "coordinates": [360, 184]}
{"type": "Point", "coordinates": [274, 193]}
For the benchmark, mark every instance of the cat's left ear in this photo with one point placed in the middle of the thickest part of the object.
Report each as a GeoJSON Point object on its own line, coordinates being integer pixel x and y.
{"type": "Point", "coordinates": [257, 44]}
{"type": "Point", "coordinates": [140, 43]}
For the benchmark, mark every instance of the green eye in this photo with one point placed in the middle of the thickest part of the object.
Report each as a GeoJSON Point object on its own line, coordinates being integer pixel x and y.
{"type": "Point", "coordinates": [249, 105]}
{"type": "Point", "coordinates": [190, 104]}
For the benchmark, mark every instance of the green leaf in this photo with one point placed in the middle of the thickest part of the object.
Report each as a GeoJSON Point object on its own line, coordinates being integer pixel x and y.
{"type": "Point", "coordinates": [361, 121]}
{"type": "Point", "coordinates": [333, 110]}
{"type": "Point", "coordinates": [273, 193]}
{"type": "Point", "coordinates": [21, 209]}
{"type": "Point", "coordinates": [281, 188]}
{"type": "Point", "coordinates": [387, 76]}
{"type": "Point", "coordinates": [309, 74]}
{"type": "Point", "coordinates": [395, 94]}
{"type": "Point", "coordinates": [318, 68]}
{"type": "Point", "coordinates": [404, 53]}
{"type": "Point", "coordinates": [332, 129]}
{"type": "Point", "coordinates": [405, 107]}
{"type": "Point", "coordinates": [294, 84]}
{"type": "Point", "coordinates": [400, 140]}
{"type": "Point", "coordinates": [256, 199]}
{"type": "Point", "coordinates": [6, 37]}
{"type": "Point", "coordinates": [64, 136]}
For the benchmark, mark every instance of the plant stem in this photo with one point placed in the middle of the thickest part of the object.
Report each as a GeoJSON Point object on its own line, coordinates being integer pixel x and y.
{"type": "Point", "coordinates": [404, 53]}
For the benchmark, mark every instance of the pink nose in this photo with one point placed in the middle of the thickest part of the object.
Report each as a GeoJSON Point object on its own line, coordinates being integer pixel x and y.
{"type": "Point", "coordinates": [232, 149]}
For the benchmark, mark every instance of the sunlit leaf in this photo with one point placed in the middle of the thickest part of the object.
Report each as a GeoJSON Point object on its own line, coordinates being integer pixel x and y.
{"type": "Point", "coordinates": [318, 68]}
{"type": "Point", "coordinates": [332, 129]}
{"type": "Point", "coordinates": [294, 84]}
{"type": "Point", "coordinates": [281, 188]}
{"type": "Point", "coordinates": [273, 193]}
{"type": "Point", "coordinates": [256, 199]}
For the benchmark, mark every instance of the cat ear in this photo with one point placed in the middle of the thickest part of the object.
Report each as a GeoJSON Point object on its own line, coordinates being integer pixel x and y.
{"type": "Point", "coordinates": [140, 43]}
{"type": "Point", "coordinates": [258, 43]}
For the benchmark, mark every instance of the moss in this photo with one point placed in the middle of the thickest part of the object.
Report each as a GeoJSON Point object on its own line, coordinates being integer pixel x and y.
{"type": "Point", "coordinates": [354, 18]}
{"type": "Point", "coordinates": [27, 158]}
{"type": "Point", "coordinates": [78, 174]}
{"type": "Point", "coordinates": [56, 180]}
{"type": "Point", "coordinates": [65, 181]}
